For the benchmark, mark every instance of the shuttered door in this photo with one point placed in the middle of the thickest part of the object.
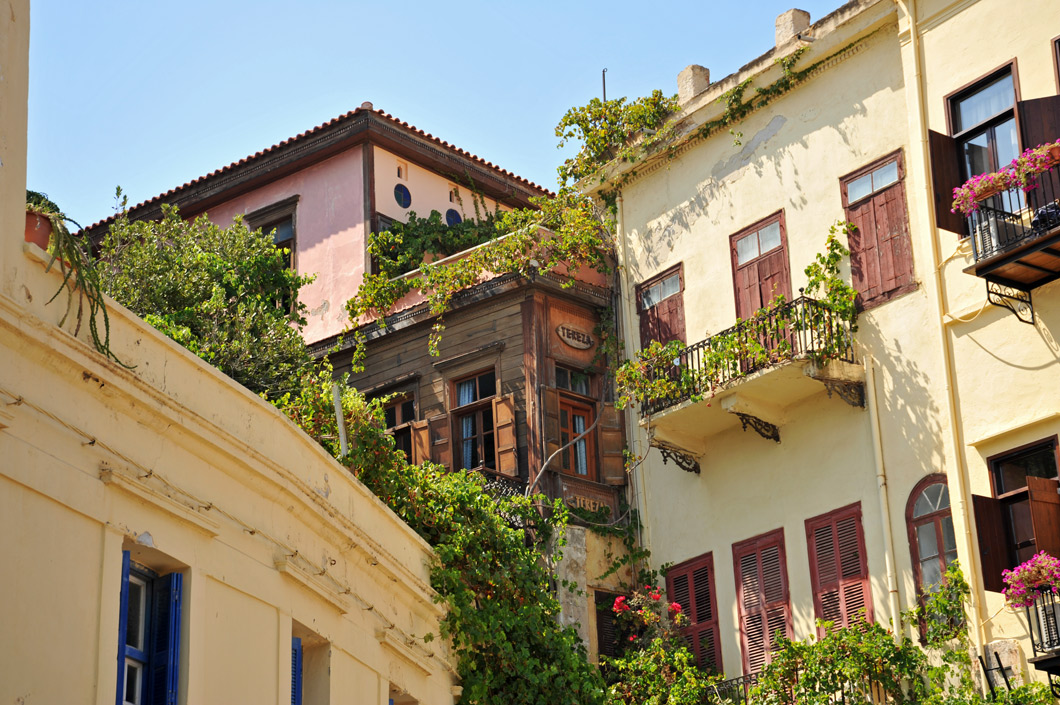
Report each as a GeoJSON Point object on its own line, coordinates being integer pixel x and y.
{"type": "Point", "coordinates": [762, 597]}
{"type": "Point", "coordinates": [838, 566]}
{"type": "Point", "coordinates": [691, 585]}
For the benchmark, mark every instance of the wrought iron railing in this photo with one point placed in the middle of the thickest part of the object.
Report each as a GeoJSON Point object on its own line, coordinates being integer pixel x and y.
{"type": "Point", "coordinates": [733, 691]}
{"type": "Point", "coordinates": [737, 691]}
{"type": "Point", "coordinates": [803, 327]}
{"type": "Point", "coordinates": [1008, 219]}
{"type": "Point", "coordinates": [1044, 619]}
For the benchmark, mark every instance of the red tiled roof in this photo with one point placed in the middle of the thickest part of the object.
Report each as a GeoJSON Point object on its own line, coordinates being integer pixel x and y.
{"type": "Point", "coordinates": [308, 133]}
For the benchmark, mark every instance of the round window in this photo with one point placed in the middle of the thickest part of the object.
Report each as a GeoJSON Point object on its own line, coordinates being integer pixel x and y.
{"type": "Point", "coordinates": [402, 196]}
{"type": "Point", "coordinates": [452, 217]}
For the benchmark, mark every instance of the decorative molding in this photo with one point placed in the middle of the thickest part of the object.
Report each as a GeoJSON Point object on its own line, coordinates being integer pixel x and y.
{"type": "Point", "coordinates": [762, 428]}
{"type": "Point", "coordinates": [495, 347]}
{"type": "Point", "coordinates": [264, 216]}
{"type": "Point", "coordinates": [682, 459]}
{"type": "Point", "coordinates": [312, 582]}
{"type": "Point", "coordinates": [134, 486]}
{"type": "Point", "coordinates": [1015, 300]}
{"type": "Point", "coordinates": [852, 393]}
{"type": "Point", "coordinates": [389, 640]}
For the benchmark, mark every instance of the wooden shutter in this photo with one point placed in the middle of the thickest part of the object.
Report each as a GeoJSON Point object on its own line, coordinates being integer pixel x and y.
{"type": "Point", "coordinates": [296, 671]}
{"type": "Point", "coordinates": [504, 435]}
{"type": "Point", "coordinates": [550, 402]}
{"type": "Point", "coordinates": [762, 597]}
{"type": "Point", "coordinates": [838, 566]}
{"type": "Point", "coordinates": [1045, 514]}
{"type": "Point", "coordinates": [1040, 123]}
{"type": "Point", "coordinates": [755, 283]}
{"type": "Point", "coordinates": [164, 639]}
{"type": "Point", "coordinates": [606, 632]}
{"type": "Point", "coordinates": [993, 553]}
{"type": "Point", "coordinates": [691, 585]}
{"type": "Point", "coordinates": [421, 442]}
{"type": "Point", "coordinates": [123, 618]}
{"type": "Point", "coordinates": [670, 318]}
{"type": "Point", "coordinates": [612, 445]}
{"type": "Point", "coordinates": [945, 176]}
{"type": "Point", "coordinates": [881, 258]}
{"type": "Point", "coordinates": [439, 431]}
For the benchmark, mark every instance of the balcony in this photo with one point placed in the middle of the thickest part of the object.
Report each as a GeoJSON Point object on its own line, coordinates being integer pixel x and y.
{"type": "Point", "coordinates": [1044, 619]}
{"type": "Point", "coordinates": [1016, 242]}
{"type": "Point", "coordinates": [752, 374]}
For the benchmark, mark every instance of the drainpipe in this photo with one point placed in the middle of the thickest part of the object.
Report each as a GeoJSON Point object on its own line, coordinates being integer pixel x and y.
{"type": "Point", "coordinates": [959, 499]}
{"type": "Point", "coordinates": [633, 431]}
{"type": "Point", "coordinates": [890, 557]}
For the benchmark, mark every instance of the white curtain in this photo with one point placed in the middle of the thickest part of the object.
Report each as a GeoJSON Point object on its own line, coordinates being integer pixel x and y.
{"type": "Point", "coordinates": [581, 461]}
{"type": "Point", "coordinates": [465, 394]}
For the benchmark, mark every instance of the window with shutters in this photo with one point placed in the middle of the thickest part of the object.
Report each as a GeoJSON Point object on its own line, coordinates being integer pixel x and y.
{"type": "Point", "coordinates": [762, 597]}
{"type": "Point", "coordinates": [660, 304]}
{"type": "Point", "coordinates": [691, 585]}
{"type": "Point", "coordinates": [932, 543]}
{"type": "Point", "coordinates": [399, 414]}
{"type": "Point", "coordinates": [279, 220]}
{"type": "Point", "coordinates": [472, 414]}
{"type": "Point", "coordinates": [578, 456]}
{"type": "Point", "coordinates": [881, 256]}
{"type": "Point", "coordinates": [310, 665]}
{"type": "Point", "coordinates": [148, 635]}
{"type": "Point", "coordinates": [606, 627]}
{"type": "Point", "coordinates": [760, 269]}
{"type": "Point", "coordinates": [839, 569]}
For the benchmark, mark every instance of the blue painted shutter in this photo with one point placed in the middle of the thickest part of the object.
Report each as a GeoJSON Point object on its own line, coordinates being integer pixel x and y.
{"type": "Point", "coordinates": [296, 671]}
{"type": "Point", "coordinates": [123, 619]}
{"type": "Point", "coordinates": [164, 640]}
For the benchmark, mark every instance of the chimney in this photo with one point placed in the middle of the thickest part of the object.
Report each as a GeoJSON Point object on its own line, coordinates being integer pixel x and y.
{"type": "Point", "coordinates": [692, 81]}
{"type": "Point", "coordinates": [791, 23]}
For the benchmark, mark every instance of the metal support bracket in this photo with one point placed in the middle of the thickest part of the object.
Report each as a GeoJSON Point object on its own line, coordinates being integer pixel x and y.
{"type": "Point", "coordinates": [852, 393]}
{"type": "Point", "coordinates": [681, 458]}
{"type": "Point", "coordinates": [762, 428]}
{"type": "Point", "coordinates": [1015, 300]}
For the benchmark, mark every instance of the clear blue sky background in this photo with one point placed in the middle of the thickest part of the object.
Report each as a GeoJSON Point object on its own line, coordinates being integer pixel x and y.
{"type": "Point", "coordinates": [150, 94]}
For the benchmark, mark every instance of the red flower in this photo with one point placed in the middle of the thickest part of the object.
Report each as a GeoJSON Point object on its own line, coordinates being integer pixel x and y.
{"type": "Point", "coordinates": [655, 596]}
{"type": "Point", "coordinates": [620, 604]}
{"type": "Point", "coordinates": [675, 608]}
{"type": "Point", "coordinates": [631, 637]}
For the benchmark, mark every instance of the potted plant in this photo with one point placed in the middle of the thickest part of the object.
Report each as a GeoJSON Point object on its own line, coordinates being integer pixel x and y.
{"type": "Point", "coordinates": [1035, 583]}
{"type": "Point", "coordinates": [1033, 162]}
{"type": "Point", "coordinates": [46, 227]}
{"type": "Point", "coordinates": [966, 198]}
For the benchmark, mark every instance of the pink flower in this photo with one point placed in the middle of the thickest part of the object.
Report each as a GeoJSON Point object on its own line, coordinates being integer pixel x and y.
{"type": "Point", "coordinates": [631, 637]}
{"type": "Point", "coordinates": [675, 608]}
{"type": "Point", "coordinates": [620, 604]}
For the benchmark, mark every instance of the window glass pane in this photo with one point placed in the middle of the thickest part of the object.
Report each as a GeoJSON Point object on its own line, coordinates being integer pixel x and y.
{"type": "Point", "coordinates": [488, 458]}
{"type": "Point", "coordinates": [487, 385]}
{"type": "Point", "coordinates": [1011, 472]}
{"type": "Point", "coordinates": [859, 188]}
{"type": "Point", "coordinates": [283, 233]}
{"type": "Point", "coordinates": [650, 296]}
{"type": "Point", "coordinates": [134, 626]}
{"type": "Point", "coordinates": [949, 542]}
{"type": "Point", "coordinates": [747, 248]}
{"type": "Point", "coordinates": [927, 541]}
{"type": "Point", "coordinates": [976, 154]}
{"type": "Point", "coordinates": [465, 392]}
{"type": "Point", "coordinates": [669, 286]}
{"type": "Point", "coordinates": [408, 411]}
{"type": "Point", "coordinates": [1008, 147]}
{"type": "Point", "coordinates": [1019, 514]}
{"type": "Point", "coordinates": [930, 574]}
{"type": "Point", "coordinates": [769, 237]}
{"type": "Point", "coordinates": [581, 463]}
{"type": "Point", "coordinates": [390, 416]}
{"type": "Point", "coordinates": [562, 378]}
{"type": "Point", "coordinates": [133, 673]}
{"type": "Point", "coordinates": [984, 103]}
{"type": "Point", "coordinates": [580, 383]}
{"type": "Point", "coordinates": [885, 176]}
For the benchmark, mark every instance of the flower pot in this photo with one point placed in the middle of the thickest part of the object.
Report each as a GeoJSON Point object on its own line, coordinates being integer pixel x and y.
{"type": "Point", "coordinates": [38, 230]}
{"type": "Point", "coordinates": [1054, 152]}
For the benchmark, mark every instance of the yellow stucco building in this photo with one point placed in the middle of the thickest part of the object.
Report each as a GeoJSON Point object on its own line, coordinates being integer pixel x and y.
{"type": "Point", "coordinates": [170, 537]}
{"type": "Point", "coordinates": [797, 490]}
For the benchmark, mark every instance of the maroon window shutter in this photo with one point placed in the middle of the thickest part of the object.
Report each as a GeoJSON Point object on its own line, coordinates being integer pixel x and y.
{"type": "Point", "coordinates": [774, 275]}
{"type": "Point", "coordinates": [762, 597]}
{"type": "Point", "coordinates": [612, 446]}
{"type": "Point", "coordinates": [864, 255]}
{"type": "Point", "coordinates": [1045, 514]}
{"type": "Point", "coordinates": [438, 428]}
{"type": "Point", "coordinates": [838, 566]}
{"type": "Point", "coordinates": [892, 233]}
{"type": "Point", "coordinates": [945, 176]}
{"type": "Point", "coordinates": [606, 631]}
{"type": "Point", "coordinates": [691, 585]}
{"type": "Point", "coordinates": [993, 553]}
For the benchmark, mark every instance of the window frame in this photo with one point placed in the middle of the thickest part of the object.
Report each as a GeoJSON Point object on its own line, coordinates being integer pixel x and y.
{"type": "Point", "coordinates": [165, 590]}
{"type": "Point", "coordinates": [570, 403]}
{"type": "Point", "coordinates": [644, 286]}
{"type": "Point", "coordinates": [269, 216]}
{"type": "Point", "coordinates": [775, 217]}
{"type": "Point", "coordinates": [935, 518]}
{"type": "Point", "coordinates": [898, 157]}
{"type": "Point", "coordinates": [476, 408]}
{"type": "Point", "coordinates": [950, 101]}
{"type": "Point", "coordinates": [1055, 44]}
{"type": "Point", "coordinates": [1022, 494]}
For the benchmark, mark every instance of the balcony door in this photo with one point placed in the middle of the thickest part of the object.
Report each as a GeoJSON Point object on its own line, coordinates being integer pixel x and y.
{"type": "Point", "coordinates": [760, 265]}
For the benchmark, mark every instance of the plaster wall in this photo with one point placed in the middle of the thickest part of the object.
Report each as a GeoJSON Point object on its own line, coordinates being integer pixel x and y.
{"type": "Point", "coordinates": [330, 234]}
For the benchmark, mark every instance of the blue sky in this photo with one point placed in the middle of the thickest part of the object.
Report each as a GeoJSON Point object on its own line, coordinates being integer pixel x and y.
{"type": "Point", "coordinates": [150, 95]}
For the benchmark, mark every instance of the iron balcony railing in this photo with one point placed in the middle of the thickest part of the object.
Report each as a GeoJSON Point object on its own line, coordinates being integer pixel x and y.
{"type": "Point", "coordinates": [733, 691]}
{"type": "Point", "coordinates": [1009, 219]}
{"type": "Point", "coordinates": [1044, 619]}
{"type": "Point", "coordinates": [801, 328]}
{"type": "Point", "coordinates": [737, 691]}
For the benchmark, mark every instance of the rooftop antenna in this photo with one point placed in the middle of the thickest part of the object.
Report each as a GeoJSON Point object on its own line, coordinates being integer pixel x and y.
{"type": "Point", "coordinates": [603, 78]}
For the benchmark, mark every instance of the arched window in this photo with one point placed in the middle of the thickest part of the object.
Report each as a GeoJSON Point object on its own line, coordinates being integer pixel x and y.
{"type": "Point", "coordinates": [932, 543]}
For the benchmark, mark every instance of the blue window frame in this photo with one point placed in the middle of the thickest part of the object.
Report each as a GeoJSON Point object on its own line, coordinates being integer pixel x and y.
{"type": "Point", "coordinates": [296, 671]}
{"type": "Point", "coordinates": [452, 217]}
{"type": "Point", "coordinates": [402, 195]}
{"type": "Point", "coordinates": [148, 636]}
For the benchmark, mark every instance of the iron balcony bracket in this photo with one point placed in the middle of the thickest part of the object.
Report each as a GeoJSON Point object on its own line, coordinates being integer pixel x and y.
{"type": "Point", "coordinates": [762, 428]}
{"type": "Point", "coordinates": [681, 458]}
{"type": "Point", "coordinates": [1015, 300]}
{"type": "Point", "coordinates": [852, 393]}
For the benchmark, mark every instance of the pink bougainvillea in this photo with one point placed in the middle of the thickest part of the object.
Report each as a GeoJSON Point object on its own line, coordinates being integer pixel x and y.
{"type": "Point", "coordinates": [1040, 573]}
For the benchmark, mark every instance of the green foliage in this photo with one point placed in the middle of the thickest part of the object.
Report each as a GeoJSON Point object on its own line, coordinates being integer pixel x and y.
{"type": "Point", "coordinates": [609, 131]}
{"type": "Point", "coordinates": [824, 280]}
{"type": "Point", "coordinates": [562, 235]}
{"type": "Point", "coordinates": [223, 293]}
{"type": "Point", "coordinates": [73, 253]}
{"type": "Point", "coordinates": [491, 569]}
{"type": "Point", "coordinates": [403, 246]}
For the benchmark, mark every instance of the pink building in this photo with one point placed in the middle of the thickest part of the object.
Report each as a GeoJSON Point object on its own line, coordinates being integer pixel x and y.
{"type": "Point", "coordinates": [324, 190]}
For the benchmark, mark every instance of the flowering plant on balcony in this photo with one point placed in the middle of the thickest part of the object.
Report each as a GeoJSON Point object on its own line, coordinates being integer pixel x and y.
{"type": "Point", "coordinates": [1041, 573]}
{"type": "Point", "coordinates": [1033, 162]}
{"type": "Point", "coordinates": [966, 198]}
